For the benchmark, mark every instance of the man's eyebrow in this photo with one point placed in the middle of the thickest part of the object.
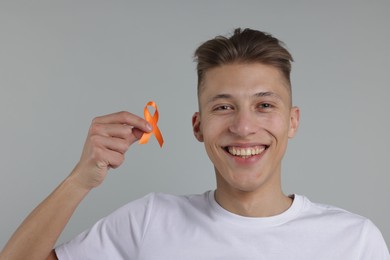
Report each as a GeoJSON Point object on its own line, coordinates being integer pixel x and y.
{"type": "Point", "coordinates": [267, 94]}
{"type": "Point", "coordinates": [256, 95]}
{"type": "Point", "coordinates": [219, 96]}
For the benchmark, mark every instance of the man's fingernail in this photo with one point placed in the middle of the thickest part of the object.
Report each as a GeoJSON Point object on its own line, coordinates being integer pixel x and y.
{"type": "Point", "coordinates": [149, 127]}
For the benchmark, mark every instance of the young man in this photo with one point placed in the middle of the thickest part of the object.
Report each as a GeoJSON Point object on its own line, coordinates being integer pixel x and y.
{"type": "Point", "coordinates": [245, 119]}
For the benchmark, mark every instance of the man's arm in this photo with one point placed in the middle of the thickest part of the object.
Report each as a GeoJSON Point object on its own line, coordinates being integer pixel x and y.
{"type": "Point", "coordinates": [108, 139]}
{"type": "Point", "coordinates": [36, 236]}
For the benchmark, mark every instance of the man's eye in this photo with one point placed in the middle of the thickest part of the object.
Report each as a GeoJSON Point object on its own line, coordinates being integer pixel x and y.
{"type": "Point", "coordinates": [223, 107]}
{"type": "Point", "coordinates": [265, 105]}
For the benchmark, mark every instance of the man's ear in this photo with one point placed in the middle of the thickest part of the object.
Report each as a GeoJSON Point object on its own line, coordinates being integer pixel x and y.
{"type": "Point", "coordinates": [196, 127]}
{"type": "Point", "coordinates": [294, 121]}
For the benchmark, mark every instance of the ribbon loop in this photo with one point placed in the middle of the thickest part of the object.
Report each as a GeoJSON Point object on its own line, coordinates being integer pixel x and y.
{"type": "Point", "coordinates": [152, 120]}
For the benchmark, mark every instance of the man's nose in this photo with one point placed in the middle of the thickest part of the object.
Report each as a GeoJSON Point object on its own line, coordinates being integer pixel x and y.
{"type": "Point", "coordinates": [243, 124]}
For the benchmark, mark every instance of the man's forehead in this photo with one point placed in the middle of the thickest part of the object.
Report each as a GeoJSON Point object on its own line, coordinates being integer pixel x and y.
{"type": "Point", "coordinates": [258, 72]}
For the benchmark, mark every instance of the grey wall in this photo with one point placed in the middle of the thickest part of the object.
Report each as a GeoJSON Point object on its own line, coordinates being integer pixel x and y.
{"type": "Point", "coordinates": [64, 62]}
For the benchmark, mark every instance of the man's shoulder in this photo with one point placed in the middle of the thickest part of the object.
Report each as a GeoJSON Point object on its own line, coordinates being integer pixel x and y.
{"type": "Point", "coordinates": [331, 214]}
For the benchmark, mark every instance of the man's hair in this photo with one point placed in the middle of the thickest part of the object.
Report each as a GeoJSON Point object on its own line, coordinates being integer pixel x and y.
{"type": "Point", "coordinates": [244, 46]}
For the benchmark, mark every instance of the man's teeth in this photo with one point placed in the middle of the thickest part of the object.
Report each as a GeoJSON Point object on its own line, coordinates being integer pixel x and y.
{"type": "Point", "coordinates": [245, 152]}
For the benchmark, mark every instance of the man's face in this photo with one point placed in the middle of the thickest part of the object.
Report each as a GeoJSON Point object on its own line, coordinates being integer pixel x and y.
{"type": "Point", "coordinates": [245, 121]}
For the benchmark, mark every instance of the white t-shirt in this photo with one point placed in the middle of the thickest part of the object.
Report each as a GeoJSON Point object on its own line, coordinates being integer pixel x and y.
{"type": "Point", "coordinates": [168, 227]}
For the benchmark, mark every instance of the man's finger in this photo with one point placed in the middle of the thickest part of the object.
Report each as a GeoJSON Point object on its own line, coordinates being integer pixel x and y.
{"type": "Point", "coordinates": [124, 118]}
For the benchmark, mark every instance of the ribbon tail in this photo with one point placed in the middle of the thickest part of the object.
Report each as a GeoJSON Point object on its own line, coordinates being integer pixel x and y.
{"type": "Point", "coordinates": [159, 137]}
{"type": "Point", "coordinates": [145, 138]}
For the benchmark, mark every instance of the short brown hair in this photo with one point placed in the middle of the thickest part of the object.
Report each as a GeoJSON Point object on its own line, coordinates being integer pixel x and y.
{"type": "Point", "coordinates": [244, 46]}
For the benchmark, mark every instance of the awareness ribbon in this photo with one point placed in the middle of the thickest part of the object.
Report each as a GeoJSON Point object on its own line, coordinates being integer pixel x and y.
{"type": "Point", "coordinates": [153, 121]}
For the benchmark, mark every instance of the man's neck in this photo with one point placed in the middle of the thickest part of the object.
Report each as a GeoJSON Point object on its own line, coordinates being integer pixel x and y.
{"type": "Point", "coordinates": [253, 203]}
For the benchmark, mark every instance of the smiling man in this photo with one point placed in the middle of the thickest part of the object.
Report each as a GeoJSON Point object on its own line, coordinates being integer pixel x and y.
{"type": "Point", "coordinates": [245, 120]}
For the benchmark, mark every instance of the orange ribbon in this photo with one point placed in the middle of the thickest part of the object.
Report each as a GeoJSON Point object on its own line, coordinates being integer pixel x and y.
{"type": "Point", "coordinates": [153, 122]}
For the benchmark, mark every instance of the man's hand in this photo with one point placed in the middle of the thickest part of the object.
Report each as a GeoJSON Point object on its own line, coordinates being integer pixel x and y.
{"type": "Point", "coordinates": [108, 139]}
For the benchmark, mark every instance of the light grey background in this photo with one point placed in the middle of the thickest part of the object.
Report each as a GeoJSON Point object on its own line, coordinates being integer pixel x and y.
{"type": "Point", "coordinates": [64, 62]}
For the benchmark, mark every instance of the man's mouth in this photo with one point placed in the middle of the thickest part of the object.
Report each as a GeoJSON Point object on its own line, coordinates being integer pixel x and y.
{"type": "Point", "coordinates": [245, 152]}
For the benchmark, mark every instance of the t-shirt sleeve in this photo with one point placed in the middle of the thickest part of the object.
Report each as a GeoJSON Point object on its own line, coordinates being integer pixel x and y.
{"type": "Point", "coordinates": [374, 246]}
{"type": "Point", "coordinates": [117, 236]}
